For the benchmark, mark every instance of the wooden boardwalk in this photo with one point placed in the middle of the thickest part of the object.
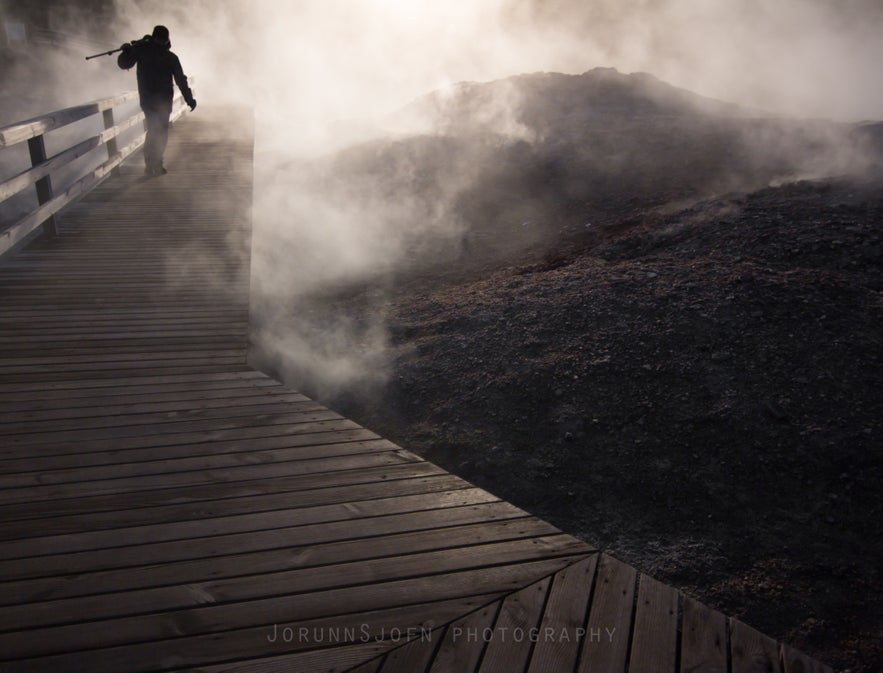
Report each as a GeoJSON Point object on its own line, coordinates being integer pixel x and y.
{"type": "Point", "coordinates": [164, 507]}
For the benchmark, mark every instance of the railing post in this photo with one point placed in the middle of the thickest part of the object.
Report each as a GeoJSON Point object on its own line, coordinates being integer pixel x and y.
{"type": "Point", "coordinates": [37, 148]}
{"type": "Point", "coordinates": [112, 149]}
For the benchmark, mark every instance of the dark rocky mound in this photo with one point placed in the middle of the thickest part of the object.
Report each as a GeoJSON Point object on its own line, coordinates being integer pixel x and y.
{"type": "Point", "coordinates": [503, 168]}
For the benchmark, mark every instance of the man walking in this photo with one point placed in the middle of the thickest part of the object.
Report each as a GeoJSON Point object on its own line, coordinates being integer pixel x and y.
{"type": "Point", "coordinates": [157, 67]}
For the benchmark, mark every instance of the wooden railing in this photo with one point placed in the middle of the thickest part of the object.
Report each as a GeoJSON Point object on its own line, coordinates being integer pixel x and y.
{"type": "Point", "coordinates": [81, 141]}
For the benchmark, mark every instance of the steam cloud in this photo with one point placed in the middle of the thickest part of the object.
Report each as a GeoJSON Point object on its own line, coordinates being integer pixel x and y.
{"type": "Point", "coordinates": [322, 74]}
{"type": "Point", "coordinates": [304, 63]}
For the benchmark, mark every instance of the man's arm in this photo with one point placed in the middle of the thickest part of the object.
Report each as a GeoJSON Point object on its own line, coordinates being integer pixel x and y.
{"type": "Point", "coordinates": [127, 57]}
{"type": "Point", "coordinates": [131, 52]}
{"type": "Point", "coordinates": [181, 81]}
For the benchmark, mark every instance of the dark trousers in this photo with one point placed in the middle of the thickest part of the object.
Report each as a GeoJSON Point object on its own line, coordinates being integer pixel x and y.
{"type": "Point", "coordinates": [156, 123]}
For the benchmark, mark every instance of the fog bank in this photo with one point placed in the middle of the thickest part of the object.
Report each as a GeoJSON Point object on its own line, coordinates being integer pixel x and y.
{"type": "Point", "coordinates": [324, 74]}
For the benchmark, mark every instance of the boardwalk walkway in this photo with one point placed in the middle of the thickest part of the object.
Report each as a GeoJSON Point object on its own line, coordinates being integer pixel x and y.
{"type": "Point", "coordinates": [164, 507]}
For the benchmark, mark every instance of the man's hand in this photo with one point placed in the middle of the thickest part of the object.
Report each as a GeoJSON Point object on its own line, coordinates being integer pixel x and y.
{"type": "Point", "coordinates": [192, 105]}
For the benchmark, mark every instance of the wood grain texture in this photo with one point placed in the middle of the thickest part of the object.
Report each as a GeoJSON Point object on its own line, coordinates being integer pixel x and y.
{"type": "Point", "coordinates": [752, 652]}
{"type": "Point", "coordinates": [561, 631]}
{"type": "Point", "coordinates": [606, 640]}
{"type": "Point", "coordinates": [655, 634]}
{"type": "Point", "coordinates": [704, 639]}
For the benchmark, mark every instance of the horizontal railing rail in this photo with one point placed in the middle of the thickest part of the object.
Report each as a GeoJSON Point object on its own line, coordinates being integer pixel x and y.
{"type": "Point", "coordinates": [44, 168]}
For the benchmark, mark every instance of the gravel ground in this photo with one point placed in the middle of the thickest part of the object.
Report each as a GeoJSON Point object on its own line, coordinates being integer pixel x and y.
{"type": "Point", "coordinates": [695, 391]}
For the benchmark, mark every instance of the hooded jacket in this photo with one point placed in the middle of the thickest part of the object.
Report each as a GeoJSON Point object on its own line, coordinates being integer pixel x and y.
{"type": "Point", "coordinates": [157, 68]}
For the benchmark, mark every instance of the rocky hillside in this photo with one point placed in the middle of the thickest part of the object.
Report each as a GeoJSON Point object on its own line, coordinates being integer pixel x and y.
{"type": "Point", "coordinates": [514, 166]}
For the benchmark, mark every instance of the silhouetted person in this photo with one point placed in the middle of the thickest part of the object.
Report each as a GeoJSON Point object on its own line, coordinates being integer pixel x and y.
{"type": "Point", "coordinates": [157, 68]}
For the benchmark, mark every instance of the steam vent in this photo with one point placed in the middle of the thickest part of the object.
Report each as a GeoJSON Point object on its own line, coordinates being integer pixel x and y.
{"type": "Point", "coordinates": [166, 507]}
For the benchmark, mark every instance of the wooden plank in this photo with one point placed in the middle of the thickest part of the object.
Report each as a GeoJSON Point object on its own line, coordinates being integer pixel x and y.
{"type": "Point", "coordinates": [128, 398]}
{"type": "Point", "coordinates": [328, 660]}
{"type": "Point", "coordinates": [36, 313]}
{"type": "Point", "coordinates": [368, 667]}
{"type": "Point", "coordinates": [138, 483]}
{"type": "Point", "coordinates": [214, 425]}
{"type": "Point", "coordinates": [655, 634]}
{"type": "Point", "coordinates": [130, 346]}
{"type": "Point", "coordinates": [132, 284]}
{"type": "Point", "coordinates": [27, 342]}
{"type": "Point", "coordinates": [561, 630]}
{"type": "Point", "coordinates": [153, 291]}
{"type": "Point", "coordinates": [30, 349]}
{"type": "Point", "coordinates": [167, 367]}
{"type": "Point", "coordinates": [461, 537]}
{"type": "Point", "coordinates": [128, 394]}
{"type": "Point", "coordinates": [610, 615]}
{"type": "Point", "coordinates": [185, 463]}
{"type": "Point", "coordinates": [312, 429]}
{"type": "Point", "coordinates": [21, 131]}
{"type": "Point", "coordinates": [251, 648]}
{"type": "Point", "coordinates": [180, 512]}
{"type": "Point", "coordinates": [703, 640]}
{"type": "Point", "coordinates": [120, 337]}
{"type": "Point", "coordinates": [193, 530]}
{"type": "Point", "coordinates": [209, 494]}
{"type": "Point", "coordinates": [123, 335]}
{"type": "Point", "coordinates": [751, 651]}
{"type": "Point", "coordinates": [99, 298]}
{"type": "Point", "coordinates": [294, 580]}
{"type": "Point", "coordinates": [244, 375]}
{"type": "Point", "coordinates": [464, 641]}
{"type": "Point", "coordinates": [109, 417]}
{"type": "Point", "coordinates": [162, 459]}
{"type": "Point", "coordinates": [10, 372]}
{"type": "Point", "coordinates": [63, 299]}
{"type": "Point", "coordinates": [71, 318]}
{"type": "Point", "coordinates": [77, 271]}
{"type": "Point", "coordinates": [45, 417]}
{"type": "Point", "coordinates": [510, 642]}
{"type": "Point", "coordinates": [209, 619]}
{"type": "Point", "coordinates": [279, 538]}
